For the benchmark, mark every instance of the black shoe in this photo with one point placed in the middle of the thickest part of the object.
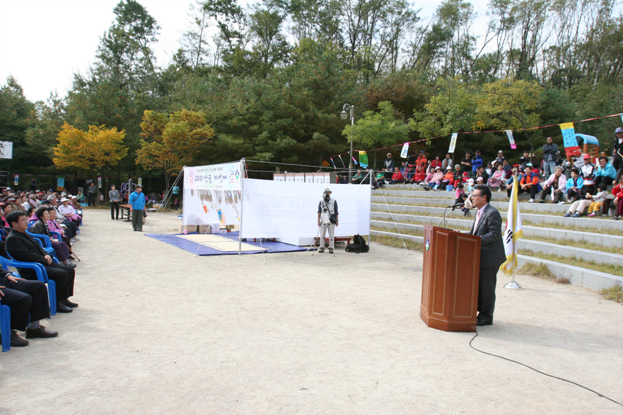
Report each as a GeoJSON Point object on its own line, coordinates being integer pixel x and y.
{"type": "Point", "coordinates": [71, 258]}
{"type": "Point", "coordinates": [483, 322]}
{"type": "Point", "coordinates": [62, 308]}
{"type": "Point", "coordinates": [17, 341]}
{"type": "Point", "coordinates": [40, 332]}
{"type": "Point", "coordinates": [70, 304]}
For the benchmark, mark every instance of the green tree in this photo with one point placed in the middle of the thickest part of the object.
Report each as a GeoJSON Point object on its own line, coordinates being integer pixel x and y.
{"type": "Point", "coordinates": [171, 142]}
{"type": "Point", "coordinates": [16, 116]}
{"type": "Point", "coordinates": [510, 105]}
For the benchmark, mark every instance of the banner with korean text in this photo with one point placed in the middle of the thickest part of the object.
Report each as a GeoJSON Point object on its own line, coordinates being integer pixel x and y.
{"type": "Point", "coordinates": [212, 194]}
{"type": "Point", "coordinates": [569, 139]}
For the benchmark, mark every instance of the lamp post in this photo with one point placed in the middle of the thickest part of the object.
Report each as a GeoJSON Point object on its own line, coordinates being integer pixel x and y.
{"type": "Point", "coordinates": [346, 111]}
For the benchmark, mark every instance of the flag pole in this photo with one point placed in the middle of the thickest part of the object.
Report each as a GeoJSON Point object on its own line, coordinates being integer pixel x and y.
{"type": "Point", "coordinates": [512, 284]}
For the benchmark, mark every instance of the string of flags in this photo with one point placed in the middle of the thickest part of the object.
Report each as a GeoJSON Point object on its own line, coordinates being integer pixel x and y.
{"type": "Point", "coordinates": [567, 130]}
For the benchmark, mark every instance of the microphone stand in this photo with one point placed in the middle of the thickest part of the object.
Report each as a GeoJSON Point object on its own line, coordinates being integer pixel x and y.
{"type": "Point", "coordinates": [445, 215]}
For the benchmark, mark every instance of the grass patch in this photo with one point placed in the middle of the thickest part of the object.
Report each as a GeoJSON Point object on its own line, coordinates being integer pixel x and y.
{"type": "Point", "coordinates": [402, 231]}
{"type": "Point", "coordinates": [592, 265]}
{"type": "Point", "coordinates": [613, 294]}
{"type": "Point", "coordinates": [575, 244]}
{"type": "Point", "coordinates": [396, 242]}
{"type": "Point", "coordinates": [537, 270]}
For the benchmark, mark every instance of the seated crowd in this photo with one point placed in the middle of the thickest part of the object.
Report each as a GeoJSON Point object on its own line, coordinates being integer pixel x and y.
{"type": "Point", "coordinates": [581, 183]}
{"type": "Point", "coordinates": [25, 217]}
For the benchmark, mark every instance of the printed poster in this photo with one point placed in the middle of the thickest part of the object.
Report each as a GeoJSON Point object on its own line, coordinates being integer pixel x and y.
{"type": "Point", "coordinates": [568, 137]}
{"type": "Point", "coordinates": [453, 142]}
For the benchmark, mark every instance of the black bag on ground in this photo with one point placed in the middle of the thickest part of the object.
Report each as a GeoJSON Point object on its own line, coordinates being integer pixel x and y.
{"type": "Point", "coordinates": [359, 245]}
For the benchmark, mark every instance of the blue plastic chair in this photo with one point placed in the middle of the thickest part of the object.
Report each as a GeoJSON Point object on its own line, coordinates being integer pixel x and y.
{"type": "Point", "coordinates": [42, 276]}
{"type": "Point", "coordinates": [44, 242]}
{"type": "Point", "coordinates": [5, 326]}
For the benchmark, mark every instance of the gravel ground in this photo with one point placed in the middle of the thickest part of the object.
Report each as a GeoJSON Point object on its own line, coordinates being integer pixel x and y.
{"type": "Point", "coordinates": [160, 330]}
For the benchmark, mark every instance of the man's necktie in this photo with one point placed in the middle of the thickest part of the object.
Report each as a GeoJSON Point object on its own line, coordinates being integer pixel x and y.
{"type": "Point", "coordinates": [477, 222]}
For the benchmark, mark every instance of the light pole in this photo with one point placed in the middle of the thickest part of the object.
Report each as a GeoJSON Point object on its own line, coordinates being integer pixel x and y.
{"type": "Point", "coordinates": [346, 111]}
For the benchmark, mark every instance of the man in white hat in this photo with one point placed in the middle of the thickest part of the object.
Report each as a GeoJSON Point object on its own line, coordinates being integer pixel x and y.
{"type": "Point", "coordinates": [327, 219]}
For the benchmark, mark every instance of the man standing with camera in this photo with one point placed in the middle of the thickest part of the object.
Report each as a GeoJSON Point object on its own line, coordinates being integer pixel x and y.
{"type": "Point", "coordinates": [327, 219]}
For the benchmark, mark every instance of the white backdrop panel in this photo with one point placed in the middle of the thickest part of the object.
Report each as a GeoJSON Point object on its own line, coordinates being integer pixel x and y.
{"type": "Point", "coordinates": [273, 209]}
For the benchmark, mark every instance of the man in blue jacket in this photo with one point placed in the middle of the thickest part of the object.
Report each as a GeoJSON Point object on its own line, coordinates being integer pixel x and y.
{"type": "Point", "coordinates": [137, 206]}
{"type": "Point", "coordinates": [477, 161]}
{"type": "Point", "coordinates": [606, 172]}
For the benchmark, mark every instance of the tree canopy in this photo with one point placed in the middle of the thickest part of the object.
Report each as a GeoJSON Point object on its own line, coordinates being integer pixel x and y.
{"type": "Point", "coordinates": [270, 80]}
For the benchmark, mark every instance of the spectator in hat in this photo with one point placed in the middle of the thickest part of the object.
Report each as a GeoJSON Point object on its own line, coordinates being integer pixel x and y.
{"type": "Point", "coordinates": [606, 173]}
{"type": "Point", "coordinates": [137, 207]}
{"type": "Point", "coordinates": [328, 219]}
{"type": "Point", "coordinates": [69, 212]}
{"type": "Point", "coordinates": [500, 159]}
{"type": "Point", "coordinates": [388, 166]}
{"type": "Point", "coordinates": [435, 181]}
{"type": "Point", "coordinates": [524, 160]}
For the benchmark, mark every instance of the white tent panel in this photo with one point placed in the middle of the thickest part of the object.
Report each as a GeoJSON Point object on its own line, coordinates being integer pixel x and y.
{"type": "Point", "coordinates": [289, 210]}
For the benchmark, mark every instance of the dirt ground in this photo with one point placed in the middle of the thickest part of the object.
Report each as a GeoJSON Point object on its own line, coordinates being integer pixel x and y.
{"type": "Point", "coordinates": [160, 330]}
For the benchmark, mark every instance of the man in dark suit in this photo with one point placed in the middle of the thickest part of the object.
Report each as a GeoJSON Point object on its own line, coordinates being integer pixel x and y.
{"type": "Point", "coordinates": [28, 301]}
{"type": "Point", "coordinates": [487, 225]}
{"type": "Point", "coordinates": [23, 247]}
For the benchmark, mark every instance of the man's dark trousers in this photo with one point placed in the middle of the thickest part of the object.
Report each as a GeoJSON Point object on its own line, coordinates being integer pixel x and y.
{"type": "Point", "coordinates": [137, 220]}
{"type": "Point", "coordinates": [26, 298]}
{"type": "Point", "coordinates": [63, 276]}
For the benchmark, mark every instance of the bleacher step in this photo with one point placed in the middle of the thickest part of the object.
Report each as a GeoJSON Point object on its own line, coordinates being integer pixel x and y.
{"type": "Point", "coordinates": [584, 222]}
{"type": "Point", "coordinates": [533, 231]}
{"type": "Point", "coordinates": [501, 206]}
{"type": "Point", "coordinates": [529, 244]}
{"type": "Point", "coordinates": [576, 275]}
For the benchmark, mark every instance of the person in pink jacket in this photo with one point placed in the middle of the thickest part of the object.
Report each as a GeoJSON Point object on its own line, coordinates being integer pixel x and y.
{"type": "Point", "coordinates": [555, 186]}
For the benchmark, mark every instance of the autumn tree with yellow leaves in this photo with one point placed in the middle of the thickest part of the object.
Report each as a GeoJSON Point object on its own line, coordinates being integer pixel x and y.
{"type": "Point", "coordinates": [170, 142]}
{"type": "Point", "coordinates": [89, 150]}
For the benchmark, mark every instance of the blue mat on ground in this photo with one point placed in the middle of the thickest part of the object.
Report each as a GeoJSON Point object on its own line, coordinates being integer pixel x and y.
{"type": "Point", "coordinates": [221, 244]}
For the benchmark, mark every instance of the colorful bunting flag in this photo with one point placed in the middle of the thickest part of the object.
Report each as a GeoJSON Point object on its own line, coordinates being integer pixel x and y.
{"type": "Point", "coordinates": [511, 139]}
{"type": "Point", "coordinates": [325, 163]}
{"type": "Point", "coordinates": [363, 159]}
{"type": "Point", "coordinates": [453, 142]}
{"type": "Point", "coordinates": [405, 151]}
{"type": "Point", "coordinates": [569, 139]}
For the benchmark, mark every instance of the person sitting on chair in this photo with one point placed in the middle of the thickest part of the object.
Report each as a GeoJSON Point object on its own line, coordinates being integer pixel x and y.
{"type": "Point", "coordinates": [28, 301]}
{"type": "Point", "coordinates": [22, 247]}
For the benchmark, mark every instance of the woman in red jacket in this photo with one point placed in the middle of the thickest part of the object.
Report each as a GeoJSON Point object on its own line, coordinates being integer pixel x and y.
{"type": "Point", "coordinates": [617, 192]}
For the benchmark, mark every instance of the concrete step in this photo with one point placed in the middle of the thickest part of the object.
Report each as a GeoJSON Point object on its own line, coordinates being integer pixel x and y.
{"type": "Point", "coordinates": [533, 231]}
{"type": "Point", "coordinates": [501, 206]}
{"type": "Point", "coordinates": [583, 277]}
{"type": "Point", "coordinates": [551, 220]}
{"type": "Point", "coordinates": [434, 195]}
{"type": "Point", "coordinates": [529, 244]}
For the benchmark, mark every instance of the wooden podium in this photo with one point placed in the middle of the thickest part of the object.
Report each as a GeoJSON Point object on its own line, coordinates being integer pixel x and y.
{"type": "Point", "coordinates": [450, 279]}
